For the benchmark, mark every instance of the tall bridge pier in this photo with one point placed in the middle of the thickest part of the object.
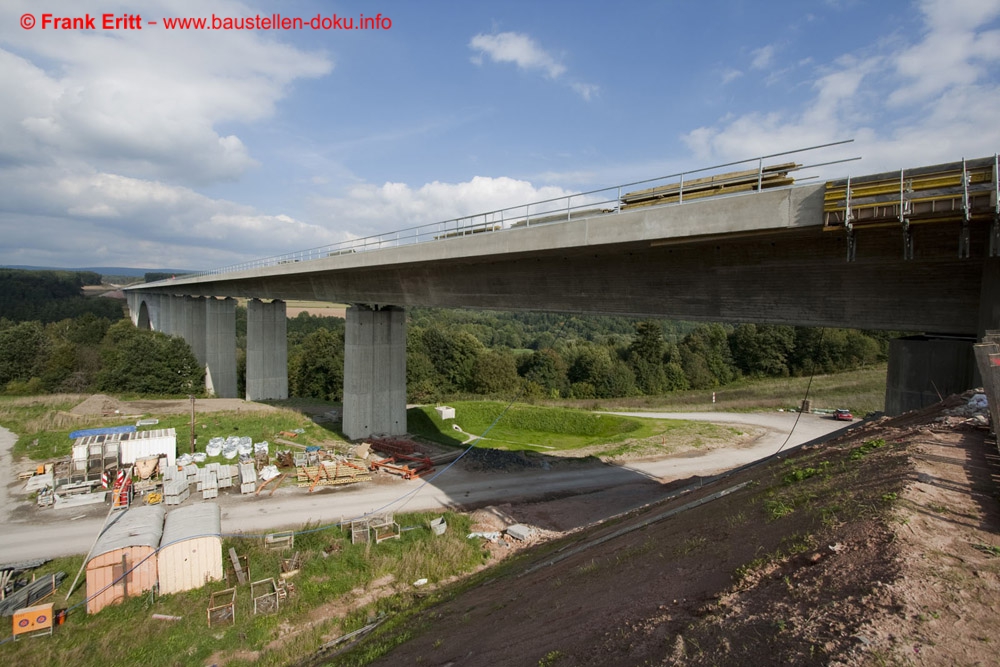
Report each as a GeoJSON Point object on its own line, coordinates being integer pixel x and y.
{"type": "Point", "coordinates": [374, 354]}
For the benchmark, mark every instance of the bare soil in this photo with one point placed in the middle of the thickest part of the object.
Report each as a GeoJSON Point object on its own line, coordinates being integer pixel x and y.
{"type": "Point", "coordinates": [101, 404]}
{"type": "Point", "coordinates": [879, 547]}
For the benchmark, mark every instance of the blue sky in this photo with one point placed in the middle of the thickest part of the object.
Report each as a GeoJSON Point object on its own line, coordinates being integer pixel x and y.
{"type": "Point", "coordinates": [198, 149]}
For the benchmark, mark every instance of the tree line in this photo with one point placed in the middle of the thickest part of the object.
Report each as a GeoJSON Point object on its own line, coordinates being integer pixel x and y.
{"type": "Point", "coordinates": [50, 296]}
{"type": "Point", "coordinates": [450, 353]}
{"type": "Point", "coordinates": [499, 354]}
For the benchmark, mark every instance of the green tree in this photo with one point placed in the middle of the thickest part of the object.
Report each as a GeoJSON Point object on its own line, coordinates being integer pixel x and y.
{"type": "Point", "coordinates": [24, 351]}
{"type": "Point", "coordinates": [454, 357]}
{"type": "Point", "coordinates": [147, 362]}
{"type": "Point", "coordinates": [762, 350]}
{"type": "Point", "coordinates": [706, 358]}
{"type": "Point", "coordinates": [547, 369]}
{"type": "Point", "coordinates": [595, 367]}
{"type": "Point", "coordinates": [645, 358]}
{"type": "Point", "coordinates": [495, 374]}
{"type": "Point", "coordinates": [316, 366]}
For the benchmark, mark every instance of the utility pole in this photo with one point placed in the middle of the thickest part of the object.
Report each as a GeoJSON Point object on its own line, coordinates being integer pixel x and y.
{"type": "Point", "coordinates": [191, 396]}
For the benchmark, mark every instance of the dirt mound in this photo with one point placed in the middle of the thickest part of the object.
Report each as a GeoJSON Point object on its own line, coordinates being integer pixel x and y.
{"type": "Point", "coordinates": [877, 548]}
{"type": "Point", "coordinates": [100, 404]}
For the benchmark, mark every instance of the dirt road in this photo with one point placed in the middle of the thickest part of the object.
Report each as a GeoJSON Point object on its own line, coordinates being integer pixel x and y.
{"type": "Point", "coordinates": [27, 533]}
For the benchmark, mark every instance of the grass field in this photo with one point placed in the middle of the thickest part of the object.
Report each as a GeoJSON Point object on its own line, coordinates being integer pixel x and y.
{"type": "Point", "coordinates": [553, 429]}
{"type": "Point", "coordinates": [323, 605]}
{"type": "Point", "coordinates": [860, 391]}
{"type": "Point", "coordinates": [43, 424]}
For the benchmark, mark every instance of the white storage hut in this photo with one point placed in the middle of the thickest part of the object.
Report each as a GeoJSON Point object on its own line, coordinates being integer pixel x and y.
{"type": "Point", "coordinates": [127, 547]}
{"type": "Point", "coordinates": [191, 548]}
{"type": "Point", "coordinates": [143, 444]}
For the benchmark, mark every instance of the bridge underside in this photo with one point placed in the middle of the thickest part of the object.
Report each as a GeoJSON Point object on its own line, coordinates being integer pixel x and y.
{"type": "Point", "coordinates": [792, 276]}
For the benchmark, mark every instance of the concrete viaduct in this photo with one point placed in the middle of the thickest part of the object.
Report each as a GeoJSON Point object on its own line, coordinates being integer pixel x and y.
{"type": "Point", "coordinates": [778, 256]}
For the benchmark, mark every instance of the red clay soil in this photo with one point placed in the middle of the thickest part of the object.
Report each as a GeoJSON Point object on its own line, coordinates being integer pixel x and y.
{"type": "Point", "coordinates": [881, 547]}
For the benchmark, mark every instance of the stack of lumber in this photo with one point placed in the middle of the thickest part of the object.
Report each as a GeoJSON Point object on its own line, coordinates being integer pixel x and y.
{"type": "Point", "coordinates": [773, 176]}
{"type": "Point", "coordinates": [329, 473]}
{"type": "Point", "coordinates": [926, 194]}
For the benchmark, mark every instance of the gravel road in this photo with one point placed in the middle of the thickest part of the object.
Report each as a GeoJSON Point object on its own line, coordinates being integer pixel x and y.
{"type": "Point", "coordinates": [26, 533]}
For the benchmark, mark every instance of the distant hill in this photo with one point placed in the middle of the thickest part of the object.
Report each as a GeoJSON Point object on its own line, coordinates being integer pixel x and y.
{"type": "Point", "coordinates": [103, 270]}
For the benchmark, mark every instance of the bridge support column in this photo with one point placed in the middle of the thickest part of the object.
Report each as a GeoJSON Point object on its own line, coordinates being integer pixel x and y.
{"type": "Point", "coordinates": [989, 297]}
{"type": "Point", "coordinates": [923, 370]}
{"type": "Point", "coordinates": [220, 347]}
{"type": "Point", "coordinates": [168, 312]}
{"type": "Point", "coordinates": [374, 371]}
{"type": "Point", "coordinates": [267, 350]}
{"type": "Point", "coordinates": [192, 325]}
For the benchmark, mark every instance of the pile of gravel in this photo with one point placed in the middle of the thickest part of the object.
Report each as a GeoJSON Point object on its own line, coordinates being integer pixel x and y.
{"type": "Point", "coordinates": [496, 460]}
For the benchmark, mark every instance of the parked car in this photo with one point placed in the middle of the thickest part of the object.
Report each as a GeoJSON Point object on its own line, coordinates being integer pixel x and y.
{"type": "Point", "coordinates": [843, 415]}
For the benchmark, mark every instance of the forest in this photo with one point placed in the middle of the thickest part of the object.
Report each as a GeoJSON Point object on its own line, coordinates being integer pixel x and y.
{"type": "Point", "coordinates": [450, 353]}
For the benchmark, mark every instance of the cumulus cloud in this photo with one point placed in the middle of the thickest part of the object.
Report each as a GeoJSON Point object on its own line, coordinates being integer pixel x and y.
{"type": "Point", "coordinates": [113, 216]}
{"type": "Point", "coordinates": [370, 209]}
{"type": "Point", "coordinates": [939, 87]}
{"type": "Point", "coordinates": [763, 57]}
{"type": "Point", "coordinates": [527, 54]}
{"type": "Point", "coordinates": [148, 102]}
{"type": "Point", "coordinates": [517, 48]}
{"type": "Point", "coordinates": [104, 135]}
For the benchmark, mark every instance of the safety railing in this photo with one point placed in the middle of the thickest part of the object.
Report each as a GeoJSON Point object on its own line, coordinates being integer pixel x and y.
{"type": "Point", "coordinates": [663, 190]}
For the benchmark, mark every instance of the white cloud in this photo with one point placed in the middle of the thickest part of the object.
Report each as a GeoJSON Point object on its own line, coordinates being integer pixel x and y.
{"type": "Point", "coordinates": [730, 75]}
{"type": "Point", "coordinates": [371, 209]}
{"type": "Point", "coordinates": [762, 57]}
{"type": "Point", "coordinates": [517, 48]}
{"type": "Point", "coordinates": [525, 52]}
{"type": "Point", "coordinates": [586, 90]}
{"type": "Point", "coordinates": [941, 89]}
{"type": "Point", "coordinates": [103, 135]}
{"type": "Point", "coordinates": [147, 103]}
{"type": "Point", "coordinates": [122, 214]}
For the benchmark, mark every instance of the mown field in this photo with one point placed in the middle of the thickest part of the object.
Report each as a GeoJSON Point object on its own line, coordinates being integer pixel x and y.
{"type": "Point", "coordinates": [860, 391]}
{"type": "Point", "coordinates": [552, 430]}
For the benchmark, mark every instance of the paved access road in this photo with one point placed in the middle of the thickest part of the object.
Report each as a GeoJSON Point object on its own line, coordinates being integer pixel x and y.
{"type": "Point", "coordinates": [28, 533]}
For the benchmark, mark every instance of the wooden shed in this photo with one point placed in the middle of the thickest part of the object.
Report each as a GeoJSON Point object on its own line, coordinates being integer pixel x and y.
{"type": "Point", "coordinates": [191, 548]}
{"type": "Point", "coordinates": [126, 547]}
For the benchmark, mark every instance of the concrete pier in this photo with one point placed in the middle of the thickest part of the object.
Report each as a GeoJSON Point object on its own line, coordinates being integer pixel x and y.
{"type": "Point", "coordinates": [923, 370]}
{"type": "Point", "coordinates": [374, 371]}
{"type": "Point", "coordinates": [194, 326]}
{"type": "Point", "coordinates": [220, 347]}
{"type": "Point", "coordinates": [267, 350]}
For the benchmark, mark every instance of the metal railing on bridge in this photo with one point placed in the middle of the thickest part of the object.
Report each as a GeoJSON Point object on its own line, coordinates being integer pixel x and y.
{"type": "Point", "coordinates": [672, 189]}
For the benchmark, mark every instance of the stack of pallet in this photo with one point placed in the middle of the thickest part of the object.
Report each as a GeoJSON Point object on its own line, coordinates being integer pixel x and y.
{"type": "Point", "coordinates": [208, 482]}
{"type": "Point", "coordinates": [329, 473]}
{"type": "Point", "coordinates": [711, 186]}
{"type": "Point", "coordinates": [176, 491]}
{"type": "Point", "coordinates": [225, 474]}
{"type": "Point", "coordinates": [248, 478]}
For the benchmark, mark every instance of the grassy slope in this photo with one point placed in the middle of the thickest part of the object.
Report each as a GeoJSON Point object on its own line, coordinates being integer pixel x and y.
{"type": "Point", "coordinates": [544, 429]}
